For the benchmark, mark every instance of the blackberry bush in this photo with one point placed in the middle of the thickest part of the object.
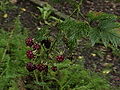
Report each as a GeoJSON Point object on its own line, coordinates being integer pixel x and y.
{"type": "Point", "coordinates": [44, 57]}
{"type": "Point", "coordinates": [53, 68]}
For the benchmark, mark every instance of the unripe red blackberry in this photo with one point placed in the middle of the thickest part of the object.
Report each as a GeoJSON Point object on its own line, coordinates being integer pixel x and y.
{"type": "Point", "coordinates": [60, 58]}
{"type": "Point", "coordinates": [30, 54]}
{"type": "Point", "coordinates": [29, 42]}
{"type": "Point", "coordinates": [30, 66]}
{"type": "Point", "coordinates": [36, 46]}
{"type": "Point", "coordinates": [46, 43]}
{"type": "Point", "coordinates": [54, 68]}
{"type": "Point", "coordinates": [42, 67]}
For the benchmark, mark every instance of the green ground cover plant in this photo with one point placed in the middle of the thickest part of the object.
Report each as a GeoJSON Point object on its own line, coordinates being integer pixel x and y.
{"type": "Point", "coordinates": [100, 28]}
{"type": "Point", "coordinates": [5, 5]}
{"type": "Point", "coordinates": [12, 56]}
{"type": "Point", "coordinates": [40, 63]}
{"type": "Point", "coordinates": [49, 70]}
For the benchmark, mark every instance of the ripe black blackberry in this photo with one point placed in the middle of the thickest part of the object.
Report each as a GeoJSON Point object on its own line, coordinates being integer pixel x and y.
{"type": "Point", "coordinates": [46, 43]}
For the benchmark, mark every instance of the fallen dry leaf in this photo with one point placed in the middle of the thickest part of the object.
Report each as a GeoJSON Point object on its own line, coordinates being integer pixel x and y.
{"type": "Point", "coordinates": [5, 15]}
{"type": "Point", "coordinates": [13, 1]}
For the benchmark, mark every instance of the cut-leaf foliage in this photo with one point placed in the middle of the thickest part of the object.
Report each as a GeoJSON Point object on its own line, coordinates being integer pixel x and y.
{"type": "Point", "coordinates": [104, 27]}
{"type": "Point", "coordinates": [73, 31]}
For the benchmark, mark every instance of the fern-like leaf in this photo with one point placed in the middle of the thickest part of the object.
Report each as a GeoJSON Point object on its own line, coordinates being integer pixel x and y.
{"type": "Point", "coordinates": [104, 28]}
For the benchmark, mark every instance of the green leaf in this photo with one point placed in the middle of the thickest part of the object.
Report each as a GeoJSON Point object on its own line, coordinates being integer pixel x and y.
{"type": "Point", "coordinates": [104, 29]}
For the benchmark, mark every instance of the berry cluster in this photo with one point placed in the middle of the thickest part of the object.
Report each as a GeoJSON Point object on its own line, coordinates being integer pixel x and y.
{"type": "Point", "coordinates": [31, 67]}
{"type": "Point", "coordinates": [35, 46]}
{"type": "Point", "coordinates": [31, 54]}
{"type": "Point", "coordinates": [40, 67]}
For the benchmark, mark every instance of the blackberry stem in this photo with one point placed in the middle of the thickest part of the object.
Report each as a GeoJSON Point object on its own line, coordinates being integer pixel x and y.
{"type": "Point", "coordinates": [36, 77]}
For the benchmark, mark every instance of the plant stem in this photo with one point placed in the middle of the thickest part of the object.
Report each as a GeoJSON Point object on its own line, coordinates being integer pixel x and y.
{"type": "Point", "coordinates": [52, 46]}
{"type": "Point", "coordinates": [42, 78]}
{"type": "Point", "coordinates": [4, 54]}
{"type": "Point", "coordinates": [35, 74]}
{"type": "Point", "coordinates": [77, 9]}
{"type": "Point", "coordinates": [3, 72]}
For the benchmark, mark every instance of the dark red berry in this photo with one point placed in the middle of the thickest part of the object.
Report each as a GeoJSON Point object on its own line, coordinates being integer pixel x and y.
{"type": "Point", "coordinates": [54, 68]}
{"type": "Point", "coordinates": [42, 67]}
{"type": "Point", "coordinates": [60, 58]}
{"type": "Point", "coordinates": [30, 66]}
{"type": "Point", "coordinates": [36, 46]}
{"type": "Point", "coordinates": [29, 42]}
{"type": "Point", "coordinates": [30, 54]}
{"type": "Point", "coordinates": [46, 43]}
